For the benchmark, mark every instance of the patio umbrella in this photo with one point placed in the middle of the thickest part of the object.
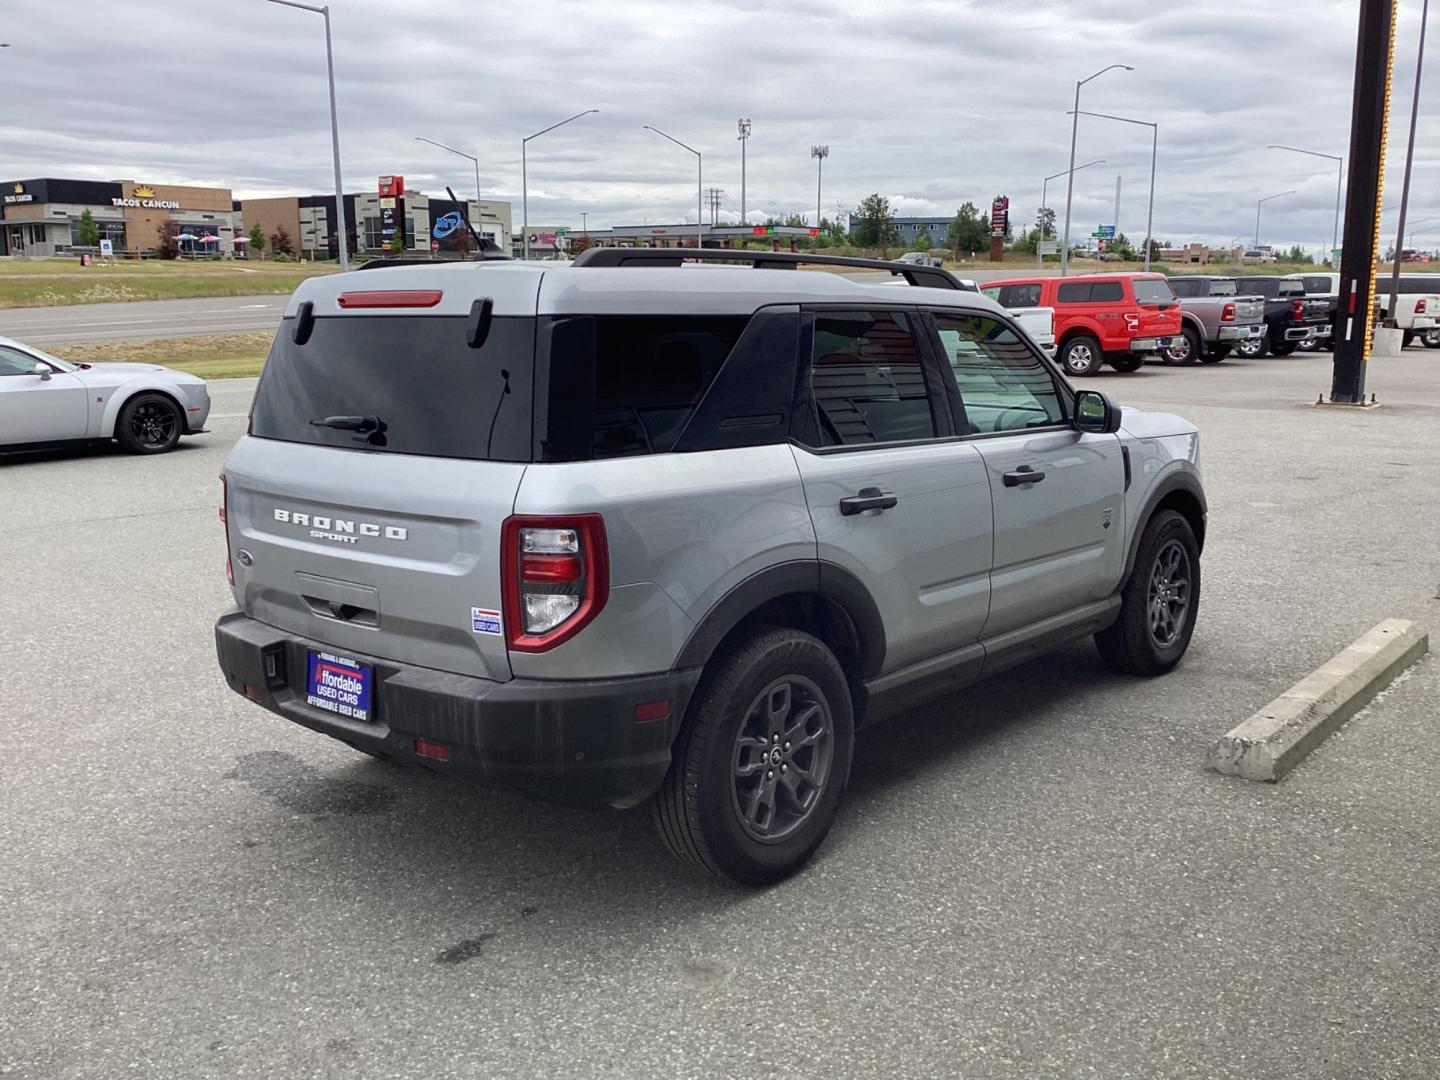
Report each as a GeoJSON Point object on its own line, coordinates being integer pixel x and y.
{"type": "Point", "coordinates": [209, 238]}
{"type": "Point", "coordinates": [185, 236]}
{"type": "Point", "coordinates": [241, 240]}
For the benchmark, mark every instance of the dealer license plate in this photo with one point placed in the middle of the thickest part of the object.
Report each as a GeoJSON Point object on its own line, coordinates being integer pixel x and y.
{"type": "Point", "coordinates": [338, 684]}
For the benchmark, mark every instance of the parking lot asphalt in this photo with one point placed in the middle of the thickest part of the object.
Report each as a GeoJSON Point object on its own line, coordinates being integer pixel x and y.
{"type": "Point", "coordinates": [1035, 878]}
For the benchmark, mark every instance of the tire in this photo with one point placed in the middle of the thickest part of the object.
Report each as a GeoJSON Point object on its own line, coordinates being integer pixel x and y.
{"type": "Point", "coordinates": [1081, 355]}
{"type": "Point", "coordinates": [1186, 350]}
{"type": "Point", "coordinates": [1133, 644]}
{"type": "Point", "coordinates": [707, 809]}
{"type": "Point", "coordinates": [1216, 354]}
{"type": "Point", "coordinates": [149, 424]}
{"type": "Point", "coordinates": [1285, 348]}
{"type": "Point", "coordinates": [1432, 339]}
{"type": "Point", "coordinates": [1253, 349]}
{"type": "Point", "coordinates": [1409, 339]}
{"type": "Point", "coordinates": [1312, 345]}
{"type": "Point", "coordinates": [1126, 362]}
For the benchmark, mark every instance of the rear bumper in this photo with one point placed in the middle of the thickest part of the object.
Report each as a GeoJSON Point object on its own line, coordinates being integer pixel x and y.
{"type": "Point", "coordinates": [1306, 332]}
{"type": "Point", "coordinates": [1242, 332]}
{"type": "Point", "coordinates": [576, 742]}
{"type": "Point", "coordinates": [1153, 343]}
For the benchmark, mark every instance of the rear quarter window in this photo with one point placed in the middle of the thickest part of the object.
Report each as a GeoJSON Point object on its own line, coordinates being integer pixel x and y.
{"type": "Point", "coordinates": [1187, 289]}
{"type": "Point", "coordinates": [1074, 292]}
{"type": "Point", "coordinates": [1153, 291]}
{"type": "Point", "coordinates": [1107, 292]}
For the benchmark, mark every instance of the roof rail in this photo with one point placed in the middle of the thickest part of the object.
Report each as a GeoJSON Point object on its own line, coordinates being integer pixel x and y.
{"type": "Point", "coordinates": [930, 277]}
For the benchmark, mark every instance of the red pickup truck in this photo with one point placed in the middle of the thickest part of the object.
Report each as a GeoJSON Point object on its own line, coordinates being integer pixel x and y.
{"type": "Point", "coordinates": [1117, 319]}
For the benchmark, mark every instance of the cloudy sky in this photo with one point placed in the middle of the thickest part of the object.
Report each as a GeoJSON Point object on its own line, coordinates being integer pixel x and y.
{"type": "Point", "coordinates": [930, 102]}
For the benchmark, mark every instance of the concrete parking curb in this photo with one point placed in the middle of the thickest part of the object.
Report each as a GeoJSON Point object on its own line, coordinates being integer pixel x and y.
{"type": "Point", "coordinates": [1276, 739]}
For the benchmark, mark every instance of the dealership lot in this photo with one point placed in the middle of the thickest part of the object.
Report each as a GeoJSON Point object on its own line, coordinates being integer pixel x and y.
{"type": "Point", "coordinates": [1035, 878]}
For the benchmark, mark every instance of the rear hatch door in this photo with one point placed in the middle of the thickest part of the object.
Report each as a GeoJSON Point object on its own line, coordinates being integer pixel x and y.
{"type": "Point", "coordinates": [384, 542]}
{"type": "Point", "coordinates": [1158, 306]}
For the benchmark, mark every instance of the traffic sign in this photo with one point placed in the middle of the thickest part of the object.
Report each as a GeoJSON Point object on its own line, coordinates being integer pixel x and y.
{"type": "Point", "coordinates": [1104, 232]}
{"type": "Point", "coordinates": [1048, 247]}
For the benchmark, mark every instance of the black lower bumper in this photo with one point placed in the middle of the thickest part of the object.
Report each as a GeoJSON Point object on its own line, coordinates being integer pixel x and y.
{"type": "Point", "coordinates": [577, 742]}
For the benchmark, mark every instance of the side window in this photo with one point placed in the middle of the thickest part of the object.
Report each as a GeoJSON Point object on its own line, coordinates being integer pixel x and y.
{"type": "Point", "coordinates": [1022, 296]}
{"type": "Point", "coordinates": [993, 292]}
{"type": "Point", "coordinates": [650, 373]}
{"type": "Point", "coordinates": [1184, 289]}
{"type": "Point", "coordinates": [867, 381]}
{"type": "Point", "coordinates": [1107, 292]}
{"type": "Point", "coordinates": [14, 362]}
{"type": "Point", "coordinates": [1074, 292]}
{"type": "Point", "coordinates": [1003, 385]}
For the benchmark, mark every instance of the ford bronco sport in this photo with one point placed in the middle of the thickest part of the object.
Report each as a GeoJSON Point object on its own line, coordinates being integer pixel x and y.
{"type": "Point", "coordinates": [628, 531]}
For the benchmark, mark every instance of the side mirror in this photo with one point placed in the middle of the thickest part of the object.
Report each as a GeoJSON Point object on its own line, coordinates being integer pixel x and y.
{"type": "Point", "coordinates": [1096, 412]}
{"type": "Point", "coordinates": [43, 370]}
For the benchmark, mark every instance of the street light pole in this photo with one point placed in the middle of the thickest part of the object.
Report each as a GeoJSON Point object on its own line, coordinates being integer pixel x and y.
{"type": "Point", "coordinates": [1339, 187]}
{"type": "Point", "coordinates": [472, 157]}
{"type": "Point", "coordinates": [744, 139]}
{"type": "Point", "coordinates": [525, 178]}
{"type": "Point", "coordinates": [1261, 202]}
{"type": "Point", "coordinates": [334, 128]}
{"type": "Point", "coordinates": [819, 153]}
{"type": "Point", "coordinates": [1154, 148]}
{"type": "Point", "coordinates": [1070, 181]}
{"type": "Point", "coordinates": [1409, 161]}
{"type": "Point", "coordinates": [699, 183]}
{"type": "Point", "coordinates": [1044, 202]}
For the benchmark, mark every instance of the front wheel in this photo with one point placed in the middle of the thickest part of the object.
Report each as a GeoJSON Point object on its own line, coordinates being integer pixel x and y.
{"type": "Point", "coordinates": [1081, 356]}
{"type": "Point", "coordinates": [1159, 602]}
{"type": "Point", "coordinates": [1254, 348]}
{"type": "Point", "coordinates": [1185, 349]}
{"type": "Point", "coordinates": [762, 760]}
{"type": "Point", "coordinates": [149, 424]}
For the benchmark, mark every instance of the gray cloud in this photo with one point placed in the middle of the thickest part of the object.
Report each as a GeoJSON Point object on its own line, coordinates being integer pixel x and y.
{"type": "Point", "coordinates": [932, 102]}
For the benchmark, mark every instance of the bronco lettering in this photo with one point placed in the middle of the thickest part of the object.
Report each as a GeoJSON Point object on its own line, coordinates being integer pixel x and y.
{"type": "Point", "coordinates": [345, 529]}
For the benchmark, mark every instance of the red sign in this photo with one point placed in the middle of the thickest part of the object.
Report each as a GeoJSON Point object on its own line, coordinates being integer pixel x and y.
{"type": "Point", "coordinates": [392, 187]}
{"type": "Point", "coordinates": [758, 230]}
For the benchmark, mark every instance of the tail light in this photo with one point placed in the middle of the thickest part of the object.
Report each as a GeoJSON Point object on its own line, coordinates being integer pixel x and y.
{"type": "Point", "coordinates": [1132, 321]}
{"type": "Point", "coordinates": [1420, 307]}
{"type": "Point", "coordinates": [1297, 310]}
{"type": "Point", "coordinates": [225, 524]}
{"type": "Point", "coordinates": [555, 578]}
{"type": "Point", "coordinates": [1227, 313]}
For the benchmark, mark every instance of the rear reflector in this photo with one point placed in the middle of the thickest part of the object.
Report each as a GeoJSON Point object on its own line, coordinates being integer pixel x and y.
{"type": "Point", "coordinates": [649, 711]}
{"type": "Point", "coordinates": [391, 298]}
{"type": "Point", "coordinates": [432, 750]}
{"type": "Point", "coordinates": [550, 568]}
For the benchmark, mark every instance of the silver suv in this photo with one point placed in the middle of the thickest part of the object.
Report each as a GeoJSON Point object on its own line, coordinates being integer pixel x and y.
{"type": "Point", "coordinates": [628, 531]}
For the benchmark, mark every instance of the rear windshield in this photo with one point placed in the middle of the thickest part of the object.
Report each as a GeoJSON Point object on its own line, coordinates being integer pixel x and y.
{"type": "Point", "coordinates": [401, 384]}
{"type": "Point", "coordinates": [1318, 285]}
{"type": "Point", "coordinates": [1153, 291]}
{"type": "Point", "coordinates": [1223, 287]}
{"type": "Point", "coordinates": [1266, 287]}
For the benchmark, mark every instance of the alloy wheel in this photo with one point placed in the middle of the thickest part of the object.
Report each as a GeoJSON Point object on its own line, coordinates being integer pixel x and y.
{"type": "Point", "coordinates": [153, 425]}
{"type": "Point", "coordinates": [1168, 596]}
{"type": "Point", "coordinates": [782, 756]}
{"type": "Point", "coordinates": [1079, 358]}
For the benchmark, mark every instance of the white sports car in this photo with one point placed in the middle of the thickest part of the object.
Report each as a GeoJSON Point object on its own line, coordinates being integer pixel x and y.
{"type": "Point", "coordinates": [143, 407]}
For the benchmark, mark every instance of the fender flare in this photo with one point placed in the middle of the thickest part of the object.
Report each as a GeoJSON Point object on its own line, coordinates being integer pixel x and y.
{"type": "Point", "coordinates": [800, 577]}
{"type": "Point", "coordinates": [1083, 326]}
{"type": "Point", "coordinates": [1177, 480]}
{"type": "Point", "coordinates": [1188, 318]}
{"type": "Point", "coordinates": [124, 393]}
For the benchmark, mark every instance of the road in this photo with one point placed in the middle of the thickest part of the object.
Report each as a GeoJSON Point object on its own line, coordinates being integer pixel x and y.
{"type": "Point", "coordinates": [1033, 879]}
{"type": "Point", "coordinates": [140, 320]}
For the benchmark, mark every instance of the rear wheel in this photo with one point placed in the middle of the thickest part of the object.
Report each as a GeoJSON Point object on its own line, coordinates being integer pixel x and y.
{"type": "Point", "coordinates": [1159, 602]}
{"type": "Point", "coordinates": [1081, 356]}
{"type": "Point", "coordinates": [1185, 350]}
{"type": "Point", "coordinates": [1313, 345]}
{"type": "Point", "coordinates": [1432, 339]}
{"type": "Point", "coordinates": [149, 424]}
{"type": "Point", "coordinates": [1284, 348]}
{"type": "Point", "coordinates": [1409, 339]}
{"type": "Point", "coordinates": [1254, 348]}
{"type": "Point", "coordinates": [1127, 361]}
{"type": "Point", "coordinates": [1216, 354]}
{"type": "Point", "coordinates": [762, 760]}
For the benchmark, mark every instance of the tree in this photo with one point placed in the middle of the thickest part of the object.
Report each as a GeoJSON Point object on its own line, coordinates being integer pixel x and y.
{"type": "Point", "coordinates": [397, 239]}
{"type": "Point", "coordinates": [922, 240]}
{"type": "Point", "coordinates": [1045, 221]}
{"type": "Point", "coordinates": [1297, 254]}
{"type": "Point", "coordinates": [583, 242]}
{"type": "Point", "coordinates": [88, 233]}
{"type": "Point", "coordinates": [257, 240]}
{"type": "Point", "coordinates": [280, 242]}
{"type": "Point", "coordinates": [1121, 246]}
{"type": "Point", "coordinates": [168, 240]}
{"type": "Point", "coordinates": [464, 242]}
{"type": "Point", "coordinates": [1027, 241]}
{"type": "Point", "coordinates": [876, 224]}
{"type": "Point", "coordinates": [969, 232]}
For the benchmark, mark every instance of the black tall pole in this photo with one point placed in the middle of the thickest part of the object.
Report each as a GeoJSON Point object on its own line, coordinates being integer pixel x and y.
{"type": "Point", "coordinates": [1374, 56]}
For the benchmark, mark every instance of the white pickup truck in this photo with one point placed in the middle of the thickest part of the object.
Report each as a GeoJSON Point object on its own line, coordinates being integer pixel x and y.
{"type": "Point", "coordinates": [1417, 309]}
{"type": "Point", "coordinates": [1038, 322]}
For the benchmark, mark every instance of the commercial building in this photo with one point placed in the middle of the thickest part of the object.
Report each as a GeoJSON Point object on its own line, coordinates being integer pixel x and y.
{"type": "Point", "coordinates": [41, 217]}
{"type": "Point", "coordinates": [938, 229]}
{"type": "Point", "coordinates": [431, 224]}
{"type": "Point", "coordinates": [712, 236]}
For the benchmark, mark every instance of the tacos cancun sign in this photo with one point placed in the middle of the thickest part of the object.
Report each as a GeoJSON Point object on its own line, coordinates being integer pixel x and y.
{"type": "Point", "coordinates": [144, 196]}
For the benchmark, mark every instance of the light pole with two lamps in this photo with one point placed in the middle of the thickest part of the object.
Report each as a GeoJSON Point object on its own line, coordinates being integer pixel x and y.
{"type": "Point", "coordinates": [1044, 201]}
{"type": "Point", "coordinates": [1070, 182]}
{"type": "Point", "coordinates": [1339, 189]}
{"type": "Point", "coordinates": [1154, 147]}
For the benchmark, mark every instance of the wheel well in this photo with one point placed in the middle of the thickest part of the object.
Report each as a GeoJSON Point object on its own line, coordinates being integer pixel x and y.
{"type": "Point", "coordinates": [1188, 506]}
{"type": "Point", "coordinates": [184, 420]}
{"type": "Point", "coordinates": [1074, 332]}
{"type": "Point", "coordinates": [817, 615]}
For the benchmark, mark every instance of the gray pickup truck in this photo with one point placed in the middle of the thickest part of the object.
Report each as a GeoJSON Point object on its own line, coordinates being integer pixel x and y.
{"type": "Point", "coordinates": [1214, 319]}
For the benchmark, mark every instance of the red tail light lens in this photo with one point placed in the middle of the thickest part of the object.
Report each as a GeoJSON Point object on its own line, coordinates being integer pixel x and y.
{"type": "Point", "coordinates": [1420, 307]}
{"type": "Point", "coordinates": [1297, 309]}
{"type": "Point", "coordinates": [1227, 313]}
{"type": "Point", "coordinates": [390, 298]}
{"type": "Point", "coordinates": [555, 578]}
{"type": "Point", "coordinates": [225, 524]}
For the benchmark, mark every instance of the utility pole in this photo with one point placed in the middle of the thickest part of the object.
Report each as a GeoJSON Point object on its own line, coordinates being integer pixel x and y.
{"type": "Point", "coordinates": [819, 153]}
{"type": "Point", "coordinates": [1369, 129]}
{"type": "Point", "coordinates": [744, 139]}
{"type": "Point", "coordinates": [713, 197]}
{"type": "Point", "coordinates": [1117, 205]}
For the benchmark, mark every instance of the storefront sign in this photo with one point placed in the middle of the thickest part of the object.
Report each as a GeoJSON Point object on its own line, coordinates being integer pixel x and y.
{"type": "Point", "coordinates": [448, 224]}
{"type": "Point", "coordinates": [147, 204]}
{"type": "Point", "coordinates": [392, 187]}
{"type": "Point", "coordinates": [19, 195]}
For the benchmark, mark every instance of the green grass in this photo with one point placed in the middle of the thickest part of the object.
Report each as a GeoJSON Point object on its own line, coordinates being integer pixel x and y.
{"type": "Point", "coordinates": [211, 356]}
{"type": "Point", "coordinates": [55, 282]}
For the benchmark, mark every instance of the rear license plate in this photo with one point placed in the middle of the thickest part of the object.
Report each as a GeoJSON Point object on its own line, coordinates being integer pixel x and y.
{"type": "Point", "coordinates": [338, 684]}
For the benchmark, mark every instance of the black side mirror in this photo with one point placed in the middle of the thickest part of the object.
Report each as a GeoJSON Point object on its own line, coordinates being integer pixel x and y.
{"type": "Point", "coordinates": [1096, 412]}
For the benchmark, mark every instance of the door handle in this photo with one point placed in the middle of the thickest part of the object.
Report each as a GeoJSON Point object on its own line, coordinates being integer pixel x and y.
{"type": "Point", "coordinates": [1023, 475]}
{"type": "Point", "coordinates": [868, 498]}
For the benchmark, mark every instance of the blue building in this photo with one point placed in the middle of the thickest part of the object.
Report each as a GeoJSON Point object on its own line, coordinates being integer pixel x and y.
{"type": "Point", "coordinates": [911, 227]}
